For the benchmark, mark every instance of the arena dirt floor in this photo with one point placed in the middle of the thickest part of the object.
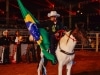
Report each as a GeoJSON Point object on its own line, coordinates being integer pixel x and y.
{"type": "Point", "coordinates": [86, 63]}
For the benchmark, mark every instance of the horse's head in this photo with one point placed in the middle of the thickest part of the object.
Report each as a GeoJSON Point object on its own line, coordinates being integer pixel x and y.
{"type": "Point", "coordinates": [81, 35]}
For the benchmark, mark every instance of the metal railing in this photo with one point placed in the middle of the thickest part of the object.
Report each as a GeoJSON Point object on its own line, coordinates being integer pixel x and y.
{"type": "Point", "coordinates": [94, 38]}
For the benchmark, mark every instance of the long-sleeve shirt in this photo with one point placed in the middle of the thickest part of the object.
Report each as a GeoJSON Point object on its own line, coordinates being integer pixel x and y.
{"type": "Point", "coordinates": [5, 40]}
{"type": "Point", "coordinates": [50, 26]}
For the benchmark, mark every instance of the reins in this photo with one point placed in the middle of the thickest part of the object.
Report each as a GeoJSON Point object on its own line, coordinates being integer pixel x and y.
{"type": "Point", "coordinates": [70, 37]}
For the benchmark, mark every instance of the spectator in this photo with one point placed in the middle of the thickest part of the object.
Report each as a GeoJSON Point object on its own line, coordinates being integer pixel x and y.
{"type": "Point", "coordinates": [31, 52]}
{"type": "Point", "coordinates": [17, 40]}
{"type": "Point", "coordinates": [5, 42]}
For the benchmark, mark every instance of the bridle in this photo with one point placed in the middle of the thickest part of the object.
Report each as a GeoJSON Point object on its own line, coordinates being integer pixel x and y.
{"type": "Point", "coordinates": [70, 37]}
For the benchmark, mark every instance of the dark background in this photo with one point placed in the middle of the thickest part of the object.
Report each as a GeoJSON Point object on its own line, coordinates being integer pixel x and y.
{"type": "Point", "coordinates": [86, 12]}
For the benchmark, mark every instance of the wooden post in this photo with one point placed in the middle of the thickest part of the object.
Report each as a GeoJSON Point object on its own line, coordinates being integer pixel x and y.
{"type": "Point", "coordinates": [7, 13]}
{"type": "Point", "coordinates": [88, 22]}
{"type": "Point", "coordinates": [38, 14]}
{"type": "Point", "coordinates": [97, 41]}
{"type": "Point", "coordinates": [70, 17]}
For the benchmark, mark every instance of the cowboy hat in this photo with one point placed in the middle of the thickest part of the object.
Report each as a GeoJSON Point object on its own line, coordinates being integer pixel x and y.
{"type": "Point", "coordinates": [53, 13]}
{"type": "Point", "coordinates": [5, 32]}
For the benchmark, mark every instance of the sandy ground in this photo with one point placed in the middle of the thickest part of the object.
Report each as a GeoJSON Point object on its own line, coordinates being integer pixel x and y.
{"type": "Point", "coordinates": [86, 63]}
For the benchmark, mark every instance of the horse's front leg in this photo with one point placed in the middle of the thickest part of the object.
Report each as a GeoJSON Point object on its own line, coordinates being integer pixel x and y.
{"type": "Point", "coordinates": [68, 68]}
{"type": "Point", "coordinates": [60, 67]}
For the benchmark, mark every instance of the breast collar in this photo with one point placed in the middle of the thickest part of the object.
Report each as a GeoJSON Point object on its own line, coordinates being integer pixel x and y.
{"type": "Point", "coordinates": [63, 51]}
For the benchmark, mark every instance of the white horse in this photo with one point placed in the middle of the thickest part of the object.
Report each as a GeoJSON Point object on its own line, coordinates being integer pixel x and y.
{"type": "Point", "coordinates": [65, 50]}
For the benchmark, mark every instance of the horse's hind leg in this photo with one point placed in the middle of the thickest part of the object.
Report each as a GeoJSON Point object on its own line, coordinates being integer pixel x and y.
{"type": "Point", "coordinates": [68, 68]}
{"type": "Point", "coordinates": [40, 65]}
{"type": "Point", "coordinates": [44, 71]}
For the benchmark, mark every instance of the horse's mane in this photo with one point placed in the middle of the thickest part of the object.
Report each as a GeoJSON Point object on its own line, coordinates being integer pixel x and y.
{"type": "Point", "coordinates": [69, 33]}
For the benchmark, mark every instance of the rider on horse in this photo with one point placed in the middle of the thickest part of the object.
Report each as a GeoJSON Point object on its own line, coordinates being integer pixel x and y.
{"type": "Point", "coordinates": [52, 26]}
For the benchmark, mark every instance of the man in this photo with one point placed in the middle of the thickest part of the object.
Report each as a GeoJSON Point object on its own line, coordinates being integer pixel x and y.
{"type": "Point", "coordinates": [52, 26]}
{"type": "Point", "coordinates": [5, 42]}
{"type": "Point", "coordinates": [31, 48]}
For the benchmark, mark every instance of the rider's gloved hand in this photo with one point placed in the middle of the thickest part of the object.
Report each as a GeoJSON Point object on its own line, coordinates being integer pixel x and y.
{"type": "Point", "coordinates": [56, 34]}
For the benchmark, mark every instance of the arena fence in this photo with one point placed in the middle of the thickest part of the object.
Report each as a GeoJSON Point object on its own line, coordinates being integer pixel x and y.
{"type": "Point", "coordinates": [94, 42]}
{"type": "Point", "coordinates": [94, 38]}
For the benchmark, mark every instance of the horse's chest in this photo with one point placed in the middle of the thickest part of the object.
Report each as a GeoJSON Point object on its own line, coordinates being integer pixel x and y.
{"type": "Point", "coordinates": [68, 58]}
{"type": "Point", "coordinates": [64, 57]}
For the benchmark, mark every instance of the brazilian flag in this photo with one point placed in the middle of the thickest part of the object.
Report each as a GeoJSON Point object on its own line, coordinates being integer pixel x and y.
{"type": "Point", "coordinates": [39, 34]}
